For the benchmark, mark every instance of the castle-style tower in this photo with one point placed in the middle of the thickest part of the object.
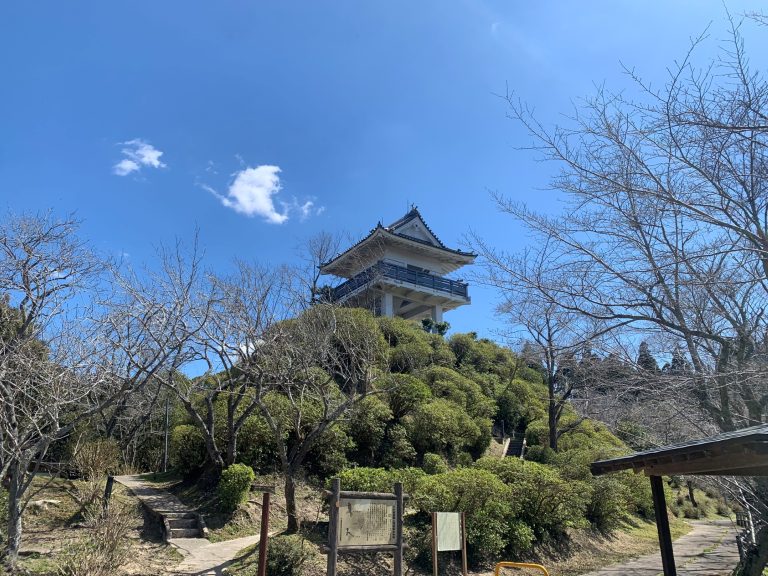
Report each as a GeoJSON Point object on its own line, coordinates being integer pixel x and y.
{"type": "Point", "coordinates": [399, 270]}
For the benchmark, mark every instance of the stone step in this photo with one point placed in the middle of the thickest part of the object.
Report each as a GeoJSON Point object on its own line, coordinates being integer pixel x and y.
{"type": "Point", "coordinates": [185, 533]}
{"type": "Point", "coordinates": [181, 523]}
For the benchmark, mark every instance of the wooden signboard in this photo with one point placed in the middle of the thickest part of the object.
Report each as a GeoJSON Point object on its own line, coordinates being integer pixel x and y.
{"type": "Point", "coordinates": [449, 534]}
{"type": "Point", "coordinates": [365, 522]}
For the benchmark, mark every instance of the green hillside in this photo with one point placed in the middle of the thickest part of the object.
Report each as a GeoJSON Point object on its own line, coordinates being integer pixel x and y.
{"type": "Point", "coordinates": [429, 421]}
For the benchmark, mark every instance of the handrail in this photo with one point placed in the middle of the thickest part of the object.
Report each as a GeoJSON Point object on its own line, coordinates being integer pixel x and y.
{"type": "Point", "coordinates": [500, 565]}
{"type": "Point", "coordinates": [393, 271]}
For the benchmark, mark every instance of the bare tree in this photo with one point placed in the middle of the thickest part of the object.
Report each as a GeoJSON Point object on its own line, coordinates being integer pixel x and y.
{"type": "Point", "coordinates": [664, 234]}
{"type": "Point", "coordinates": [73, 344]}
{"type": "Point", "coordinates": [304, 370]}
{"type": "Point", "coordinates": [664, 231]}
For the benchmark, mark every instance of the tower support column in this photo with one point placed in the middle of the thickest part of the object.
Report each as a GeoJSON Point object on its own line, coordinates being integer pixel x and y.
{"type": "Point", "coordinates": [437, 313]}
{"type": "Point", "coordinates": [387, 305]}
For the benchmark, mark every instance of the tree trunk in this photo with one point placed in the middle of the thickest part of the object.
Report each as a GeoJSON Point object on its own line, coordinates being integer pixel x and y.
{"type": "Point", "coordinates": [689, 484]}
{"type": "Point", "coordinates": [231, 447]}
{"type": "Point", "coordinates": [14, 517]}
{"type": "Point", "coordinates": [290, 502]}
{"type": "Point", "coordinates": [552, 417]}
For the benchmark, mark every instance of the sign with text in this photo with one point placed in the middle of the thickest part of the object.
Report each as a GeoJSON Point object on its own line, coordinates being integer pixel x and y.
{"type": "Point", "coordinates": [364, 522]}
{"type": "Point", "coordinates": [448, 531]}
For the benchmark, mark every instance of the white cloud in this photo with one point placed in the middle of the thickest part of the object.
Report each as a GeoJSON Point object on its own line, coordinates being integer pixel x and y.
{"type": "Point", "coordinates": [137, 154]}
{"type": "Point", "coordinates": [251, 193]}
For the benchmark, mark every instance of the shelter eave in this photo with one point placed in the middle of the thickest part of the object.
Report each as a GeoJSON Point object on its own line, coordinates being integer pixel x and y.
{"type": "Point", "coordinates": [740, 453]}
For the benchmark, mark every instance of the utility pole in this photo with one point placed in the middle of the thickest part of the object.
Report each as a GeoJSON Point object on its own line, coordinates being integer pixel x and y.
{"type": "Point", "coordinates": [165, 447]}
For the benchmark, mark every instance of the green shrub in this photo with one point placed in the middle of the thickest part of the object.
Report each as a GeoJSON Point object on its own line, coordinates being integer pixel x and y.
{"type": "Point", "coordinates": [410, 356]}
{"type": "Point", "coordinates": [406, 393]}
{"type": "Point", "coordinates": [368, 427]}
{"type": "Point", "coordinates": [549, 503]}
{"type": "Point", "coordinates": [234, 485]}
{"type": "Point", "coordinates": [607, 506]}
{"type": "Point", "coordinates": [410, 477]}
{"type": "Point", "coordinates": [434, 464]}
{"type": "Point", "coordinates": [398, 450]}
{"type": "Point", "coordinates": [540, 454]}
{"type": "Point", "coordinates": [365, 480]}
{"type": "Point", "coordinates": [286, 555]}
{"type": "Point", "coordinates": [691, 512]}
{"type": "Point", "coordinates": [449, 384]}
{"type": "Point", "coordinates": [537, 433]}
{"type": "Point", "coordinates": [256, 445]}
{"type": "Point", "coordinates": [722, 508]}
{"type": "Point", "coordinates": [519, 403]}
{"type": "Point", "coordinates": [187, 449]}
{"type": "Point", "coordinates": [442, 427]}
{"type": "Point", "coordinates": [379, 480]}
{"type": "Point", "coordinates": [491, 510]}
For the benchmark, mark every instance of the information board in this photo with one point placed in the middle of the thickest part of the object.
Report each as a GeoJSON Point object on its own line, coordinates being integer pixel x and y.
{"type": "Point", "coordinates": [366, 522]}
{"type": "Point", "coordinates": [448, 531]}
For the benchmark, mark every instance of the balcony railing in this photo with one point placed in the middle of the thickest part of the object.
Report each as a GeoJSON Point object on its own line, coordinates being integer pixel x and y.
{"type": "Point", "coordinates": [386, 270]}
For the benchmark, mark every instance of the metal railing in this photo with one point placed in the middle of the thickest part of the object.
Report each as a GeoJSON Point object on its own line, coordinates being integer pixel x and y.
{"type": "Point", "coordinates": [392, 271]}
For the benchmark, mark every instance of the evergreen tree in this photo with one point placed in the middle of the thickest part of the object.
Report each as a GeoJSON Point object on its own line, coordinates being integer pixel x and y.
{"type": "Point", "coordinates": [645, 360]}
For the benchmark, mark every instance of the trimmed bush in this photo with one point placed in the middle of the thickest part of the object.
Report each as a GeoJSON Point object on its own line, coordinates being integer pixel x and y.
{"type": "Point", "coordinates": [365, 480]}
{"type": "Point", "coordinates": [286, 555]}
{"type": "Point", "coordinates": [434, 464]}
{"type": "Point", "coordinates": [234, 485]}
{"type": "Point", "coordinates": [187, 449]}
{"type": "Point", "coordinates": [549, 503]}
{"type": "Point", "coordinates": [379, 480]}
{"type": "Point", "coordinates": [491, 508]}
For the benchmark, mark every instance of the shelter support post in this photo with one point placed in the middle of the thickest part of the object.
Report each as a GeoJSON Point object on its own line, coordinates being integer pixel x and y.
{"type": "Point", "coordinates": [662, 525]}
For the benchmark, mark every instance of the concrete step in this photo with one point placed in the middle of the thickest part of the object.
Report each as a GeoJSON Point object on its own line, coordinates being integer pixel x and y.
{"type": "Point", "coordinates": [183, 523]}
{"type": "Point", "coordinates": [185, 533]}
{"type": "Point", "coordinates": [177, 515]}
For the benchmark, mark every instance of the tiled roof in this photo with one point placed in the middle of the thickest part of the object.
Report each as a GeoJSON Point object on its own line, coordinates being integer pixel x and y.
{"type": "Point", "coordinates": [413, 213]}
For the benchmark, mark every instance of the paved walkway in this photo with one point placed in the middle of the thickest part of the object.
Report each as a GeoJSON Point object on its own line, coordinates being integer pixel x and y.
{"type": "Point", "coordinates": [201, 557]}
{"type": "Point", "coordinates": [707, 550]}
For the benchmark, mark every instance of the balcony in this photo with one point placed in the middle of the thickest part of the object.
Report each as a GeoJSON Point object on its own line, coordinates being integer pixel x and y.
{"type": "Point", "coordinates": [387, 271]}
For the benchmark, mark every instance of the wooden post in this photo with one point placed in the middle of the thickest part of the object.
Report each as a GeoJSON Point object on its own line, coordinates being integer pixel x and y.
{"type": "Point", "coordinates": [108, 492]}
{"type": "Point", "coordinates": [264, 535]}
{"type": "Point", "coordinates": [399, 509]}
{"type": "Point", "coordinates": [434, 543]}
{"type": "Point", "coordinates": [463, 544]}
{"type": "Point", "coordinates": [333, 528]}
{"type": "Point", "coordinates": [662, 525]}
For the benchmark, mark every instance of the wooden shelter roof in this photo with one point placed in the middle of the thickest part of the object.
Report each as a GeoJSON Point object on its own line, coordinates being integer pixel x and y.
{"type": "Point", "coordinates": [739, 453]}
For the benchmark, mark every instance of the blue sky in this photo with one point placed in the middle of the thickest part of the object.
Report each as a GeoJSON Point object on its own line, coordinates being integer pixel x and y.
{"type": "Point", "coordinates": [263, 123]}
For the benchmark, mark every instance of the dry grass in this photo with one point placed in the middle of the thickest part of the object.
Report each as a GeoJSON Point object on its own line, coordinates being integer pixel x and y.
{"type": "Point", "coordinates": [53, 529]}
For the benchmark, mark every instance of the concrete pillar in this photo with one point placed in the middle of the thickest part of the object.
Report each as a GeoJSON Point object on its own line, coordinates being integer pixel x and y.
{"type": "Point", "coordinates": [387, 305]}
{"type": "Point", "coordinates": [437, 313]}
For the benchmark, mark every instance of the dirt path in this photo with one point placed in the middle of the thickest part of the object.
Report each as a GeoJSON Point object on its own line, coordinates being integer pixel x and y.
{"type": "Point", "coordinates": [201, 557]}
{"type": "Point", "coordinates": [707, 550]}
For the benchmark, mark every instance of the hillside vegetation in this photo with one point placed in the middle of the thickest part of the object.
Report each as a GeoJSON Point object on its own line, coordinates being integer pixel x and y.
{"type": "Point", "coordinates": [428, 423]}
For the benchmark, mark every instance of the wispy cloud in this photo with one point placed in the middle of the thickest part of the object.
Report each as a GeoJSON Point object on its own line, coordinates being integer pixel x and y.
{"type": "Point", "coordinates": [137, 154]}
{"type": "Point", "coordinates": [253, 192]}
